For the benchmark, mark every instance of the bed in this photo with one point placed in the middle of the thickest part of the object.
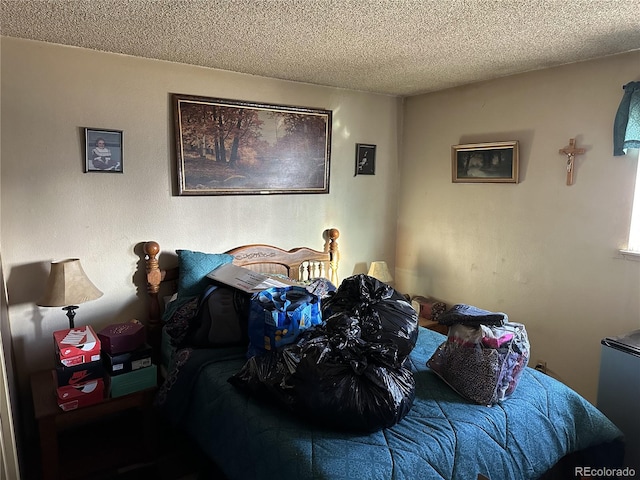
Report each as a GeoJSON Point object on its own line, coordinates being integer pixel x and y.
{"type": "Point", "coordinates": [544, 430]}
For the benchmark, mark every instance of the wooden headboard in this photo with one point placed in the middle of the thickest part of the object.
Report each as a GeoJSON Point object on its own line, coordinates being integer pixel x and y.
{"type": "Point", "coordinates": [299, 263]}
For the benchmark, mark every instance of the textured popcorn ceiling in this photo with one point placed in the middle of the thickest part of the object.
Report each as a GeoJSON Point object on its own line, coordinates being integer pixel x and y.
{"type": "Point", "coordinates": [395, 47]}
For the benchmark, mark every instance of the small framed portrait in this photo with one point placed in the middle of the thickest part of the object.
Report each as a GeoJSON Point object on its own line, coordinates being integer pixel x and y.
{"type": "Point", "coordinates": [365, 159]}
{"type": "Point", "coordinates": [103, 150]}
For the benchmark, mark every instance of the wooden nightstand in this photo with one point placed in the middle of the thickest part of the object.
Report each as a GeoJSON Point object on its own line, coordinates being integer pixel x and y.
{"type": "Point", "coordinates": [93, 438]}
{"type": "Point", "coordinates": [433, 325]}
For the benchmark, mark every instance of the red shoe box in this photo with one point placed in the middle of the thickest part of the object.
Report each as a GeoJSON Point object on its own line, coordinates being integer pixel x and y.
{"type": "Point", "coordinates": [71, 397]}
{"type": "Point", "coordinates": [122, 337]}
{"type": "Point", "coordinates": [79, 374]}
{"type": "Point", "coordinates": [77, 345]}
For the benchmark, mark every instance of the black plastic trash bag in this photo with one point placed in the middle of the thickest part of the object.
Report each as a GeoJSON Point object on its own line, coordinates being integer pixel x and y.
{"type": "Point", "coordinates": [265, 377]}
{"type": "Point", "coordinates": [349, 372]}
{"type": "Point", "coordinates": [332, 377]}
{"type": "Point", "coordinates": [346, 383]}
{"type": "Point", "coordinates": [385, 315]}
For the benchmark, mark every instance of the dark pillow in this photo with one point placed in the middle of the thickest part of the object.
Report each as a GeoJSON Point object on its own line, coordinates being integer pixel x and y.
{"type": "Point", "coordinates": [472, 316]}
{"type": "Point", "coordinates": [221, 320]}
{"type": "Point", "coordinates": [179, 323]}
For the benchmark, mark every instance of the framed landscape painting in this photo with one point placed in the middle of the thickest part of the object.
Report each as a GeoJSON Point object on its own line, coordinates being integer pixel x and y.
{"type": "Point", "coordinates": [233, 147]}
{"type": "Point", "coordinates": [485, 162]}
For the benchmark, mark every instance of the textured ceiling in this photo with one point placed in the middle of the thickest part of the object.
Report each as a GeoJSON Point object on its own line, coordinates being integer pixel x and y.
{"type": "Point", "coordinates": [395, 47]}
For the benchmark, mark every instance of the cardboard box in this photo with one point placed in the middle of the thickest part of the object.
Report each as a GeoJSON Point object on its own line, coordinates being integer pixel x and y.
{"type": "Point", "coordinates": [77, 345]}
{"type": "Point", "coordinates": [428, 307]}
{"type": "Point", "coordinates": [79, 374]}
{"type": "Point", "coordinates": [71, 397]}
{"type": "Point", "coordinates": [122, 337]}
{"type": "Point", "coordinates": [128, 361]}
{"type": "Point", "coordinates": [133, 381]}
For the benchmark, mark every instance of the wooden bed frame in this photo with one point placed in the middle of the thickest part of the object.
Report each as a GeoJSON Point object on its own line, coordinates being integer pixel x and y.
{"type": "Point", "coordinates": [299, 263]}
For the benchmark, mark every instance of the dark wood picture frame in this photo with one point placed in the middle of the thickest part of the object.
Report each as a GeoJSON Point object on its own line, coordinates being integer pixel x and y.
{"type": "Point", "coordinates": [233, 147]}
{"type": "Point", "coordinates": [365, 159]}
{"type": "Point", "coordinates": [103, 150]}
{"type": "Point", "coordinates": [496, 162]}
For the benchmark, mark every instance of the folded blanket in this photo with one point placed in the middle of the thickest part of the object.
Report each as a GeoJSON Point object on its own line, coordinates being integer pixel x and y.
{"type": "Point", "coordinates": [472, 316]}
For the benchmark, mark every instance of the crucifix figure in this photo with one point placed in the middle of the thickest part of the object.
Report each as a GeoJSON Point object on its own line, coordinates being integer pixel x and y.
{"type": "Point", "coordinates": [571, 151]}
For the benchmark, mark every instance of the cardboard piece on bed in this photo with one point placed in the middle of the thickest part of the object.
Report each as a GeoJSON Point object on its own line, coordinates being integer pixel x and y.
{"type": "Point", "coordinates": [245, 279]}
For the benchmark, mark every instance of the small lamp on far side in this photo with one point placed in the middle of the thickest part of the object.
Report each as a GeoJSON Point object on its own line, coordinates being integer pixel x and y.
{"type": "Point", "coordinates": [380, 271]}
{"type": "Point", "coordinates": [68, 286]}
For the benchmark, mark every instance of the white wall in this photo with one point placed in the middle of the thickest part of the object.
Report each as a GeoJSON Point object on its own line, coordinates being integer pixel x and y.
{"type": "Point", "coordinates": [52, 210]}
{"type": "Point", "coordinates": [543, 252]}
{"type": "Point", "coordinates": [9, 411]}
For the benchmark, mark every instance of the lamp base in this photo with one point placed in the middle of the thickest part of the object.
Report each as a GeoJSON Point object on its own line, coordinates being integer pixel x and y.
{"type": "Point", "coordinates": [71, 313]}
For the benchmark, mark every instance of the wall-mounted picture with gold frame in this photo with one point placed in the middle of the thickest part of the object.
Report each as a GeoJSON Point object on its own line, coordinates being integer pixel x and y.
{"type": "Point", "coordinates": [495, 162]}
{"type": "Point", "coordinates": [232, 147]}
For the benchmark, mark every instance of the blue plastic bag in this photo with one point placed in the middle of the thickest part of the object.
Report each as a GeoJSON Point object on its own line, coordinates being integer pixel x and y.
{"type": "Point", "coordinates": [278, 315]}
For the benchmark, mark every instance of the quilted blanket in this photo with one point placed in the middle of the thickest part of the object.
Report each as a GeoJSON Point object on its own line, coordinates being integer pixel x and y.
{"type": "Point", "coordinates": [443, 437]}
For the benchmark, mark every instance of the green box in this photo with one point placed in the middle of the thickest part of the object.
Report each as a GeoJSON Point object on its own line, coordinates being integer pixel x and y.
{"type": "Point", "coordinates": [134, 381]}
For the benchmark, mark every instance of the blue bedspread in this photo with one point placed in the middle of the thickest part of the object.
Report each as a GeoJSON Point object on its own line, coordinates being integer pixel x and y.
{"type": "Point", "coordinates": [442, 437]}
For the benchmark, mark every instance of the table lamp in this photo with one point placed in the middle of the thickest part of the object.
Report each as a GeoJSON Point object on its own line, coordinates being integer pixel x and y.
{"type": "Point", "coordinates": [380, 271]}
{"type": "Point", "coordinates": [68, 286]}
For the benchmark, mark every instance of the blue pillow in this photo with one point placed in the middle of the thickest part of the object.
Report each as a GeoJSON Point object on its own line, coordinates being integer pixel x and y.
{"type": "Point", "coordinates": [192, 280]}
{"type": "Point", "coordinates": [194, 268]}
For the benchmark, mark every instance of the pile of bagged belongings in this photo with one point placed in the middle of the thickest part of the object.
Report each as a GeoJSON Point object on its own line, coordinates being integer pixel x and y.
{"type": "Point", "coordinates": [349, 372]}
{"type": "Point", "coordinates": [483, 356]}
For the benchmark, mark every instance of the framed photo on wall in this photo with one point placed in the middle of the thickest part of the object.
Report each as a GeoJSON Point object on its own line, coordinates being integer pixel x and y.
{"type": "Point", "coordinates": [496, 162]}
{"type": "Point", "coordinates": [365, 159]}
{"type": "Point", "coordinates": [103, 150]}
{"type": "Point", "coordinates": [233, 147]}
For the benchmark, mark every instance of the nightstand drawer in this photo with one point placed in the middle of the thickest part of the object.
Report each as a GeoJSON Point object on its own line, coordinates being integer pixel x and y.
{"type": "Point", "coordinates": [84, 427]}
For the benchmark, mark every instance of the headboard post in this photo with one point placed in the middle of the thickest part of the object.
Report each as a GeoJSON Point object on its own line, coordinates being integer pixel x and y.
{"type": "Point", "coordinates": [154, 278]}
{"type": "Point", "coordinates": [334, 255]}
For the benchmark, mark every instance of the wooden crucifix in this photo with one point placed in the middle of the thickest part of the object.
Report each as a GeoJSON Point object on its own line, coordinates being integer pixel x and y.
{"type": "Point", "coordinates": [571, 151]}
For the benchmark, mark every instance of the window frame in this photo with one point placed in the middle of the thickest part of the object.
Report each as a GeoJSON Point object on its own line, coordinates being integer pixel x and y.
{"type": "Point", "coordinates": [632, 251]}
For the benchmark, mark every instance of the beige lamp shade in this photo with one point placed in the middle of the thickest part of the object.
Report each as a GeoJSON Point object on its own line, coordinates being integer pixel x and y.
{"type": "Point", "coordinates": [68, 285]}
{"type": "Point", "coordinates": [380, 271]}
